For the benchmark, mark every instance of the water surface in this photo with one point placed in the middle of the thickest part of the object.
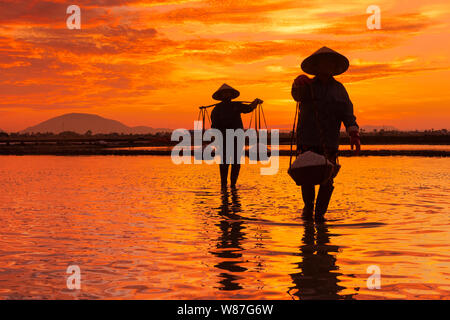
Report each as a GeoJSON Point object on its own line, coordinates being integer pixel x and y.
{"type": "Point", "coordinates": [143, 228]}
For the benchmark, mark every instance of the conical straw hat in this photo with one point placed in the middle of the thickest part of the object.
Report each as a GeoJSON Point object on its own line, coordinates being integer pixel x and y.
{"type": "Point", "coordinates": [225, 92]}
{"type": "Point", "coordinates": [309, 65]}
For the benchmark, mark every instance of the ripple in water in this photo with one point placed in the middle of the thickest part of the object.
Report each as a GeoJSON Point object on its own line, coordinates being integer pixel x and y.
{"type": "Point", "coordinates": [143, 228]}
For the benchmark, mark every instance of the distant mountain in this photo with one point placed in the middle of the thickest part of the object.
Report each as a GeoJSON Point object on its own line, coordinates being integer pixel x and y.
{"type": "Point", "coordinates": [83, 122]}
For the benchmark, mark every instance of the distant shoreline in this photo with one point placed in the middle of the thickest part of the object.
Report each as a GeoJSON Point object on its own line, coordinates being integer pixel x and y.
{"type": "Point", "coordinates": [441, 137]}
{"type": "Point", "coordinates": [71, 144]}
{"type": "Point", "coordinates": [61, 151]}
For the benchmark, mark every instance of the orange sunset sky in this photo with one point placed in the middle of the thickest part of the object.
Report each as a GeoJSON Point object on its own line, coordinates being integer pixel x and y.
{"type": "Point", "coordinates": [154, 62]}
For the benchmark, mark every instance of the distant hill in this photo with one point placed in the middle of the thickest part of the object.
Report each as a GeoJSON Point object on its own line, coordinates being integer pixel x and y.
{"type": "Point", "coordinates": [83, 122]}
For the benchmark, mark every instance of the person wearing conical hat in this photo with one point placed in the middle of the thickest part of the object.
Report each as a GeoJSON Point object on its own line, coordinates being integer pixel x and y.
{"type": "Point", "coordinates": [333, 108]}
{"type": "Point", "coordinates": [227, 115]}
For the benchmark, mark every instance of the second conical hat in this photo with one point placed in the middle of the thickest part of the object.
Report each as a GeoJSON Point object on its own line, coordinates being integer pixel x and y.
{"type": "Point", "coordinates": [310, 64]}
{"type": "Point", "coordinates": [225, 92]}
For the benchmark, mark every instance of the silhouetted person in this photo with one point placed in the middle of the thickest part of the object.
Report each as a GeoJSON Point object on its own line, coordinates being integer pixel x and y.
{"type": "Point", "coordinates": [333, 107]}
{"type": "Point", "coordinates": [227, 115]}
{"type": "Point", "coordinates": [318, 276]}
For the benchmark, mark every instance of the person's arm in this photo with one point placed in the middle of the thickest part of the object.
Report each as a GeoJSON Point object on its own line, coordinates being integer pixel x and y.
{"type": "Point", "coordinates": [348, 116]}
{"type": "Point", "coordinates": [295, 92]}
{"type": "Point", "coordinates": [214, 119]}
{"type": "Point", "coordinates": [247, 108]}
{"type": "Point", "coordinates": [349, 120]}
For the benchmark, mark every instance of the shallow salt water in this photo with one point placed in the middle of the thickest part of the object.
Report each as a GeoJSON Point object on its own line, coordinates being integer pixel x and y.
{"type": "Point", "coordinates": [143, 228]}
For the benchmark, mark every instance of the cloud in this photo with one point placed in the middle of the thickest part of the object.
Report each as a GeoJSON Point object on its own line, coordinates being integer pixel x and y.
{"type": "Point", "coordinates": [374, 70]}
{"type": "Point", "coordinates": [139, 54]}
{"type": "Point", "coordinates": [238, 52]}
{"type": "Point", "coordinates": [231, 11]}
{"type": "Point", "coordinates": [356, 24]}
{"type": "Point", "coordinates": [50, 13]}
{"type": "Point", "coordinates": [109, 40]}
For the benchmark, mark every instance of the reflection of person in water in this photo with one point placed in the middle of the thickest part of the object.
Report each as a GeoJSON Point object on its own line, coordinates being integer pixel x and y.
{"type": "Point", "coordinates": [318, 278]}
{"type": "Point", "coordinates": [229, 243]}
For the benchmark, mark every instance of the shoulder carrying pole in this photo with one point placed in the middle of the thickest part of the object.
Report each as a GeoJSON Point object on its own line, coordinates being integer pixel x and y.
{"type": "Point", "coordinates": [215, 104]}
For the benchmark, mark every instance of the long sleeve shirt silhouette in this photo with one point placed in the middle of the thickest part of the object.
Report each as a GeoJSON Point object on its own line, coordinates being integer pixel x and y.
{"type": "Point", "coordinates": [334, 108]}
{"type": "Point", "coordinates": [227, 115]}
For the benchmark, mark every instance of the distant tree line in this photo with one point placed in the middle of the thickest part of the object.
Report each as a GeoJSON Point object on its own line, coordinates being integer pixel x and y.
{"type": "Point", "coordinates": [87, 134]}
{"type": "Point", "coordinates": [164, 138]}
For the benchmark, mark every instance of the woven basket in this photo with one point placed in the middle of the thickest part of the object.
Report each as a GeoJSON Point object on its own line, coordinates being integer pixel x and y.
{"type": "Point", "coordinates": [310, 175]}
{"type": "Point", "coordinates": [313, 174]}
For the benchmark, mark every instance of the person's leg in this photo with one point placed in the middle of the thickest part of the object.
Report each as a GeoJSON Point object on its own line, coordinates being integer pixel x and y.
{"type": "Point", "coordinates": [308, 195]}
{"type": "Point", "coordinates": [235, 168]}
{"type": "Point", "coordinates": [224, 165]}
{"type": "Point", "coordinates": [323, 199]}
{"type": "Point", "coordinates": [325, 192]}
{"type": "Point", "coordinates": [224, 174]}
